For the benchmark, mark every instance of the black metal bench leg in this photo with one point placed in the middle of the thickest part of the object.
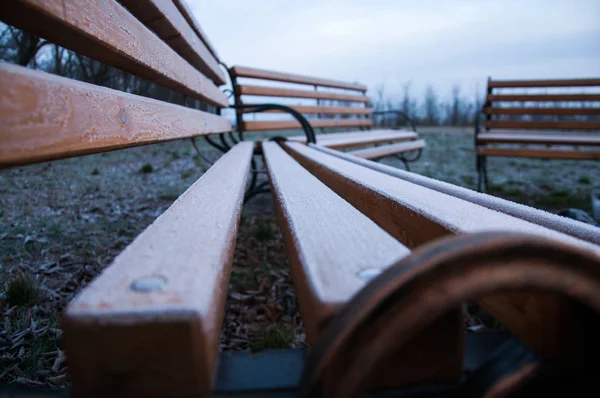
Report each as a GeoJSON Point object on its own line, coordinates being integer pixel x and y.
{"type": "Point", "coordinates": [485, 174]}
{"type": "Point", "coordinates": [482, 180]}
{"type": "Point", "coordinates": [406, 160]}
{"type": "Point", "coordinates": [406, 166]}
{"type": "Point", "coordinates": [479, 174]}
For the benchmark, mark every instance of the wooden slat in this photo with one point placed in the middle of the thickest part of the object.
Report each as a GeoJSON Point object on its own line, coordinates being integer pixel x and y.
{"type": "Point", "coordinates": [244, 71]}
{"type": "Point", "coordinates": [330, 245]}
{"type": "Point", "coordinates": [543, 97]}
{"type": "Point", "coordinates": [386, 150]}
{"type": "Point", "coordinates": [193, 22]}
{"type": "Point", "coordinates": [45, 117]}
{"type": "Point", "coordinates": [286, 92]}
{"type": "Point", "coordinates": [293, 124]}
{"type": "Point", "coordinates": [342, 134]}
{"type": "Point", "coordinates": [541, 111]}
{"type": "Point", "coordinates": [359, 138]}
{"type": "Point", "coordinates": [328, 241]}
{"type": "Point", "coordinates": [566, 125]}
{"type": "Point", "coordinates": [106, 31]}
{"type": "Point", "coordinates": [539, 153]}
{"type": "Point", "coordinates": [532, 138]}
{"type": "Point", "coordinates": [164, 19]}
{"type": "Point", "coordinates": [540, 217]}
{"type": "Point", "coordinates": [325, 110]}
{"type": "Point", "coordinates": [416, 215]}
{"type": "Point", "coordinates": [544, 83]}
{"type": "Point", "coordinates": [149, 325]}
{"type": "Point", "coordinates": [367, 139]}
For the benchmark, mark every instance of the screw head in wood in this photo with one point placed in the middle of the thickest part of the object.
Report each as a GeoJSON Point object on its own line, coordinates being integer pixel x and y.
{"type": "Point", "coordinates": [368, 273]}
{"type": "Point", "coordinates": [147, 284]}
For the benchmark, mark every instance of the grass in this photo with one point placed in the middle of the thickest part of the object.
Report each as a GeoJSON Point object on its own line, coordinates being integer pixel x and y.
{"type": "Point", "coordinates": [560, 193]}
{"type": "Point", "coordinates": [277, 336]}
{"type": "Point", "coordinates": [170, 194]}
{"type": "Point", "coordinates": [243, 279]}
{"type": "Point", "coordinates": [469, 180]}
{"type": "Point", "coordinates": [146, 169]}
{"type": "Point", "coordinates": [264, 232]}
{"type": "Point", "coordinates": [185, 174]}
{"type": "Point", "coordinates": [22, 291]}
{"type": "Point", "coordinates": [585, 179]}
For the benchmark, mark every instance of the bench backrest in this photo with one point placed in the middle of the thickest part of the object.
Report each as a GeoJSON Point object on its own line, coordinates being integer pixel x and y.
{"type": "Point", "coordinates": [336, 104]}
{"type": "Point", "coordinates": [47, 117]}
{"type": "Point", "coordinates": [509, 106]}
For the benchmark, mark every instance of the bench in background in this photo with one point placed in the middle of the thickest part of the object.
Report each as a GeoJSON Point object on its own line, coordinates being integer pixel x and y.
{"type": "Point", "coordinates": [535, 124]}
{"type": "Point", "coordinates": [338, 105]}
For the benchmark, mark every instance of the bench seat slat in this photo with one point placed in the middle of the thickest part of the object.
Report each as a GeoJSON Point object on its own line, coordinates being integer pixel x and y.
{"type": "Point", "coordinates": [533, 138]}
{"type": "Point", "coordinates": [416, 215]}
{"type": "Point", "coordinates": [263, 74]}
{"type": "Point", "coordinates": [562, 224]}
{"type": "Point", "coordinates": [542, 97]}
{"type": "Point", "coordinates": [106, 31]}
{"type": "Point", "coordinates": [541, 111]}
{"type": "Point", "coordinates": [162, 342]}
{"type": "Point", "coordinates": [565, 125]}
{"type": "Point", "coordinates": [330, 245]}
{"type": "Point", "coordinates": [386, 150]}
{"type": "Point", "coordinates": [325, 110]}
{"type": "Point", "coordinates": [290, 93]}
{"type": "Point", "coordinates": [163, 17]}
{"type": "Point", "coordinates": [316, 123]}
{"type": "Point", "coordinates": [328, 241]}
{"type": "Point", "coordinates": [360, 138]}
{"type": "Point", "coordinates": [539, 153]}
{"type": "Point", "coordinates": [432, 214]}
{"type": "Point", "coordinates": [49, 117]}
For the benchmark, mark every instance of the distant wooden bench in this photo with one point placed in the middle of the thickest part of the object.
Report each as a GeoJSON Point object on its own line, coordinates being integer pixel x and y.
{"type": "Point", "coordinates": [382, 259]}
{"type": "Point", "coordinates": [530, 126]}
{"type": "Point", "coordinates": [349, 110]}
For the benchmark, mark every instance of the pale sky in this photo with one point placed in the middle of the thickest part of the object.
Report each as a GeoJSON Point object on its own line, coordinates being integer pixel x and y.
{"type": "Point", "coordinates": [392, 42]}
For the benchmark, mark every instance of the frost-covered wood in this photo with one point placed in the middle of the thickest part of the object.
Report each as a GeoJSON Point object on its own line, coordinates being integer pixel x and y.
{"type": "Point", "coordinates": [163, 17]}
{"type": "Point", "coordinates": [382, 151]}
{"type": "Point", "coordinates": [416, 215]}
{"type": "Point", "coordinates": [149, 325]}
{"type": "Point", "coordinates": [106, 31]}
{"type": "Point", "coordinates": [540, 217]}
{"type": "Point", "coordinates": [333, 248]}
{"type": "Point", "coordinates": [43, 117]}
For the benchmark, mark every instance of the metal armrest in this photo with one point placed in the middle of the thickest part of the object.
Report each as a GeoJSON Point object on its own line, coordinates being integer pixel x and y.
{"type": "Point", "coordinates": [306, 127]}
{"type": "Point", "coordinates": [399, 113]}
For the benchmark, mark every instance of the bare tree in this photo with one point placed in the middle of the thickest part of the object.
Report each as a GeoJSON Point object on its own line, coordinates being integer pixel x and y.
{"type": "Point", "coordinates": [19, 46]}
{"type": "Point", "coordinates": [408, 104]}
{"type": "Point", "coordinates": [431, 107]}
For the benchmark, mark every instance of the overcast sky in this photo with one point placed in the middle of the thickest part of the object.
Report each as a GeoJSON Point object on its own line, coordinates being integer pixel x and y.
{"type": "Point", "coordinates": [424, 42]}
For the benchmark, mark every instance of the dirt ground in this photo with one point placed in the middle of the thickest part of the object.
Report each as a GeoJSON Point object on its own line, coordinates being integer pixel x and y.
{"type": "Point", "coordinates": [62, 222]}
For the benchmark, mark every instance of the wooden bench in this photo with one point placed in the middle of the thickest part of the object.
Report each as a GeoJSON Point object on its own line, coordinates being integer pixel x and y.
{"type": "Point", "coordinates": [382, 259]}
{"type": "Point", "coordinates": [538, 125]}
{"type": "Point", "coordinates": [338, 105]}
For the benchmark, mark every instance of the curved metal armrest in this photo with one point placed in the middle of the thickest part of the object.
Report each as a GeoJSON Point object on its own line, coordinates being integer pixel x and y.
{"type": "Point", "coordinates": [410, 120]}
{"type": "Point", "coordinates": [308, 130]}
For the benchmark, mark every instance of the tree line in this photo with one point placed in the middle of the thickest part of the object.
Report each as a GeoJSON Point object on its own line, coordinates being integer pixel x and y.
{"type": "Point", "coordinates": [431, 109]}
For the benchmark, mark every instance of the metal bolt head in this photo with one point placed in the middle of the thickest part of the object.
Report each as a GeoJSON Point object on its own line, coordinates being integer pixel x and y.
{"type": "Point", "coordinates": [147, 284]}
{"type": "Point", "coordinates": [368, 273]}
